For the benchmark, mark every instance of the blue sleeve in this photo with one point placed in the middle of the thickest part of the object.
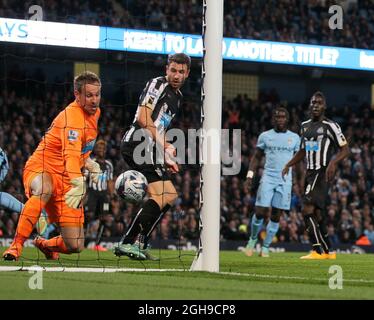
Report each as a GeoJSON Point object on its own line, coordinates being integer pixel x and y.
{"type": "Point", "coordinates": [4, 165]}
{"type": "Point", "coordinates": [261, 142]}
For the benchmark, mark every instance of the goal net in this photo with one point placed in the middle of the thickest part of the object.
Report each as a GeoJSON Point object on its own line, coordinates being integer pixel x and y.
{"type": "Point", "coordinates": [42, 49]}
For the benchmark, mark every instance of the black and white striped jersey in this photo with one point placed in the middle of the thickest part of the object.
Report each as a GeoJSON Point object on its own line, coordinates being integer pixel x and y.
{"type": "Point", "coordinates": [320, 140]}
{"type": "Point", "coordinates": [164, 102]}
{"type": "Point", "coordinates": [102, 185]}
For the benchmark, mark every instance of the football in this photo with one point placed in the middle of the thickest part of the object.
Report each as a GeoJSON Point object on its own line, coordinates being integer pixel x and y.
{"type": "Point", "coordinates": [131, 186]}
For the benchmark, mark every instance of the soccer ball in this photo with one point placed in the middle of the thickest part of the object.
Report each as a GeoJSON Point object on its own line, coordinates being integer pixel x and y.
{"type": "Point", "coordinates": [131, 186]}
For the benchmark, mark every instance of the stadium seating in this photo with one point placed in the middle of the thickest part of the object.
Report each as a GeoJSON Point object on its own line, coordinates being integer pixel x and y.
{"type": "Point", "coordinates": [301, 21]}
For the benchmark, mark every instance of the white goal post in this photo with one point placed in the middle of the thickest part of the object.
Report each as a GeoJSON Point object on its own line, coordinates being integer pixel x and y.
{"type": "Point", "coordinates": [207, 258]}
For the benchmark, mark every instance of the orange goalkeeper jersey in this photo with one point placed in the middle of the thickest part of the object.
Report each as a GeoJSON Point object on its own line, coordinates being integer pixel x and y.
{"type": "Point", "coordinates": [68, 142]}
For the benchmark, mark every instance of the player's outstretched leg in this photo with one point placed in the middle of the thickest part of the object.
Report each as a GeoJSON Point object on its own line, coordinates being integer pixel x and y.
{"type": "Point", "coordinates": [10, 202]}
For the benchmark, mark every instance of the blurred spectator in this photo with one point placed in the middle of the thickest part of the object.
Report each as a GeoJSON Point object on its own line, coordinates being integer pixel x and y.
{"type": "Point", "coordinates": [333, 237]}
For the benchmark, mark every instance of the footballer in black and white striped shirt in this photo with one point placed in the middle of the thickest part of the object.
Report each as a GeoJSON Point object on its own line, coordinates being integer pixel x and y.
{"type": "Point", "coordinates": [324, 146]}
{"type": "Point", "coordinates": [320, 139]}
{"type": "Point", "coordinates": [158, 104]}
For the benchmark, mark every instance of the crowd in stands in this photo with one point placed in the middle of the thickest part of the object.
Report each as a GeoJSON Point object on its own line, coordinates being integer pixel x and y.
{"type": "Point", "coordinates": [300, 21]}
{"type": "Point", "coordinates": [26, 114]}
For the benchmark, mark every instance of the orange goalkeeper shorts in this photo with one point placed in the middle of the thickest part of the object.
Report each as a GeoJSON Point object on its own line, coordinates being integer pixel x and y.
{"type": "Point", "coordinates": [57, 210]}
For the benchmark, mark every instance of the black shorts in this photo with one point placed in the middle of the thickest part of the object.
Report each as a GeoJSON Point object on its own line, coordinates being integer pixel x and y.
{"type": "Point", "coordinates": [153, 172]}
{"type": "Point", "coordinates": [97, 202]}
{"type": "Point", "coordinates": [316, 188]}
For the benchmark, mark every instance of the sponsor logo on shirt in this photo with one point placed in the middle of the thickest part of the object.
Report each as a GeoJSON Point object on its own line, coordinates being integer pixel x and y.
{"type": "Point", "coordinates": [72, 135]}
{"type": "Point", "coordinates": [88, 146]}
{"type": "Point", "coordinates": [311, 146]}
{"type": "Point", "coordinates": [280, 149]}
{"type": "Point", "coordinates": [165, 120]}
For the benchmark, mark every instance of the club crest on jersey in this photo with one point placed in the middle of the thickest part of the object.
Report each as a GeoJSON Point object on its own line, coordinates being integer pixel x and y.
{"type": "Point", "coordinates": [289, 141]}
{"type": "Point", "coordinates": [72, 135]}
{"type": "Point", "coordinates": [320, 130]}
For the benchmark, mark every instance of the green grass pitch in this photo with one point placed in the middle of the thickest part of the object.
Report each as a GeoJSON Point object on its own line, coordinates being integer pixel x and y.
{"type": "Point", "coordinates": [282, 276]}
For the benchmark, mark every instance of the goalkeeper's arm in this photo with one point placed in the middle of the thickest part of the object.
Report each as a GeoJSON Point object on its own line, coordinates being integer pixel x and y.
{"type": "Point", "coordinates": [71, 151]}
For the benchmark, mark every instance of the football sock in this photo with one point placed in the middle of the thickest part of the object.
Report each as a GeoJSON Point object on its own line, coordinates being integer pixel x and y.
{"type": "Point", "coordinates": [313, 231]}
{"type": "Point", "coordinates": [28, 218]}
{"type": "Point", "coordinates": [143, 221]}
{"type": "Point", "coordinates": [154, 224]}
{"type": "Point", "coordinates": [100, 232]}
{"type": "Point", "coordinates": [325, 241]}
{"type": "Point", "coordinates": [256, 226]}
{"type": "Point", "coordinates": [10, 202]}
{"type": "Point", "coordinates": [271, 230]}
{"type": "Point", "coordinates": [57, 244]}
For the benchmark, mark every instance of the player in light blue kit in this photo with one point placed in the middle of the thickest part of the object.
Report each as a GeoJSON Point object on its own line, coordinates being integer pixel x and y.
{"type": "Point", "coordinates": [278, 145]}
{"type": "Point", "coordinates": [7, 200]}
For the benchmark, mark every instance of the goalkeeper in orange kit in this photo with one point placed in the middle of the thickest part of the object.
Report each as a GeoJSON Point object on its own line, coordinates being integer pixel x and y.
{"type": "Point", "coordinates": [52, 176]}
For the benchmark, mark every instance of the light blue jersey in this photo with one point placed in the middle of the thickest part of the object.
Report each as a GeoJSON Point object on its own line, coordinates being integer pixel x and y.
{"type": "Point", "coordinates": [279, 148]}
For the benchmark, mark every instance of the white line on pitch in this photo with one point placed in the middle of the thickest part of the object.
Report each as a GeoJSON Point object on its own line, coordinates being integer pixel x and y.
{"type": "Point", "coordinates": [111, 270]}
{"type": "Point", "coordinates": [74, 269]}
{"type": "Point", "coordinates": [271, 276]}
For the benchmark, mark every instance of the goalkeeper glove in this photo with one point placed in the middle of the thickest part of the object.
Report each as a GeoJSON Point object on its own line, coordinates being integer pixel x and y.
{"type": "Point", "coordinates": [94, 168]}
{"type": "Point", "coordinates": [75, 195]}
